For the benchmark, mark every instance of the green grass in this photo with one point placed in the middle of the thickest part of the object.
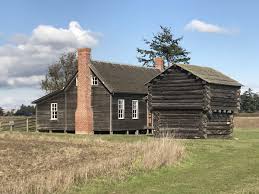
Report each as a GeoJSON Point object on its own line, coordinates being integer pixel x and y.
{"type": "Point", "coordinates": [211, 166]}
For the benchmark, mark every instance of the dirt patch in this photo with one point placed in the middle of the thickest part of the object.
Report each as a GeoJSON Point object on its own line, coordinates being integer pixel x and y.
{"type": "Point", "coordinates": [246, 122]}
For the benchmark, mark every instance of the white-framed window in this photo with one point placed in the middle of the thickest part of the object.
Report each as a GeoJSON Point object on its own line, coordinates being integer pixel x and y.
{"type": "Point", "coordinates": [135, 109]}
{"type": "Point", "coordinates": [94, 80]}
{"type": "Point", "coordinates": [54, 111]}
{"type": "Point", "coordinates": [121, 108]}
{"type": "Point", "coordinates": [76, 81]}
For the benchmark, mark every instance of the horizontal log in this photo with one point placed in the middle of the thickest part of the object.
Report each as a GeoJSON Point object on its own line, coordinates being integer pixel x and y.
{"type": "Point", "coordinates": [176, 84]}
{"type": "Point", "coordinates": [219, 123]}
{"type": "Point", "coordinates": [179, 129]}
{"type": "Point", "coordinates": [173, 88]}
{"type": "Point", "coordinates": [179, 112]}
{"type": "Point", "coordinates": [198, 96]}
{"type": "Point", "coordinates": [160, 106]}
{"type": "Point", "coordinates": [183, 116]}
{"type": "Point", "coordinates": [190, 101]}
{"type": "Point", "coordinates": [192, 92]}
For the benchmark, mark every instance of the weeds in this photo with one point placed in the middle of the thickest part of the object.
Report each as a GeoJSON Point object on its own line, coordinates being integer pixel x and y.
{"type": "Point", "coordinates": [57, 164]}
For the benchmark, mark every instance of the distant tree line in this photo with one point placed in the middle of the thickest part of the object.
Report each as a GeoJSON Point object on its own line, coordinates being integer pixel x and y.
{"type": "Point", "coordinates": [249, 101]}
{"type": "Point", "coordinates": [22, 111]}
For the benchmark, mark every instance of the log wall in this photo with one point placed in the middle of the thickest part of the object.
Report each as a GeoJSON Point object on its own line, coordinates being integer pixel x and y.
{"type": "Point", "coordinates": [225, 97]}
{"type": "Point", "coordinates": [220, 125]}
{"type": "Point", "coordinates": [178, 91]}
{"type": "Point", "coordinates": [186, 106]}
{"type": "Point", "coordinates": [178, 123]}
{"type": "Point", "coordinates": [177, 101]}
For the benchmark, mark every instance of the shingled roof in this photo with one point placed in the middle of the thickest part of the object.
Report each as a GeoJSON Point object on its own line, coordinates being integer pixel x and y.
{"type": "Point", "coordinates": [121, 78]}
{"type": "Point", "coordinates": [207, 74]}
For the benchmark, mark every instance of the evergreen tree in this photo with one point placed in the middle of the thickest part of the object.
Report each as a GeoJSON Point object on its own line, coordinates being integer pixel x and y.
{"type": "Point", "coordinates": [164, 45]}
{"type": "Point", "coordinates": [248, 101]}
{"type": "Point", "coordinates": [25, 111]}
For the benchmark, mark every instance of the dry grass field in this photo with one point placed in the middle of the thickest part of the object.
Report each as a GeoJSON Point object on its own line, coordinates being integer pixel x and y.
{"type": "Point", "coordinates": [49, 163]}
{"type": "Point", "coordinates": [250, 122]}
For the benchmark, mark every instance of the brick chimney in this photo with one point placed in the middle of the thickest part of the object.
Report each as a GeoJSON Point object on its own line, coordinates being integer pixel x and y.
{"type": "Point", "coordinates": [84, 113]}
{"type": "Point", "coordinates": [159, 64]}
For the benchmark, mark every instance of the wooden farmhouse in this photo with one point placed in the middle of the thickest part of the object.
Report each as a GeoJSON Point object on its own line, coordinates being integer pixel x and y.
{"type": "Point", "coordinates": [103, 97]}
{"type": "Point", "coordinates": [193, 101]}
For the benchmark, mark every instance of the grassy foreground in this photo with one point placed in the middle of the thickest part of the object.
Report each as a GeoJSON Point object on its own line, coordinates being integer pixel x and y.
{"type": "Point", "coordinates": [211, 166]}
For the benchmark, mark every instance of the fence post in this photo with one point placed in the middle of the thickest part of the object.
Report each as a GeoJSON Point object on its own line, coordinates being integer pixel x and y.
{"type": "Point", "coordinates": [27, 124]}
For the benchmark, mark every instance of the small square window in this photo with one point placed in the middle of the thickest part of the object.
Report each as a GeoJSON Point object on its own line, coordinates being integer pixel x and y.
{"type": "Point", "coordinates": [94, 81]}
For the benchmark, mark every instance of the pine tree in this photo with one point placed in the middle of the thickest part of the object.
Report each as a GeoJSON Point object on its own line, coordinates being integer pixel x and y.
{"type": "Point", "coordinates": [248, 101]}
{"type": "Point", "coordinates": [164, 45]}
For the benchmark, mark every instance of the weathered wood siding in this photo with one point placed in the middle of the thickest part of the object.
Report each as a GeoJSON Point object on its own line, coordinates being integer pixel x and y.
{"type": "Point", "coordinates": [44, 121]}
{"type": "Point", "coordinates": [178, 100]}
{"type": "Point", "coordinates": [128, 123]}
{"type": "Point", "coordinates": [225, 97]}
{"type": "Point", "coordinates": [177, 90]}
{"type": "Point", "coordinates": [71, 99]}
{"type": "Point", "coordinates": [179, 123]}
{"type": "Point", "coordinates": [101, 107]}
{"type": "Point", "coordinates": [220, 124]}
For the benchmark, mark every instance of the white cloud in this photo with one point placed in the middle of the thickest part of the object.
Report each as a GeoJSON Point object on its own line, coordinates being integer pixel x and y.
{"type": "Point", "coordinates": [24, 60]}
{"type": "Point", "coordinates": [12, 98]}
{"type": "Point", "coordinates": [201, 26]}
{"type": "Point", "coordinates": [25, 81]}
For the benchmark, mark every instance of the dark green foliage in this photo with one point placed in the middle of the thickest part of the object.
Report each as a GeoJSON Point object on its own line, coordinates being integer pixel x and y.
{"type": "Point", "coordinates": [249, 101]}
{"type": "Point", "coordinates": [25, 111]}
{"type": "Point", "coordinates": [164, 45]}
{"type": "Point", "coordinates": [1, 111]}
{"type": "Point", "coordinates": [60, 72]}
{"type": "Point", "coordinates": [10, 113]}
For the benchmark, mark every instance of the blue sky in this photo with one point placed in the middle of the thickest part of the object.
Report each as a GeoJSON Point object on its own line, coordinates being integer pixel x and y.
{"type": "Point", "coordinates": [220, 34]}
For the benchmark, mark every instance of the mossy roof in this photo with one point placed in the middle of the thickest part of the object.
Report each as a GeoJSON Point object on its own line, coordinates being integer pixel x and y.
{"type": "Point", "coordinates": [206, 74]}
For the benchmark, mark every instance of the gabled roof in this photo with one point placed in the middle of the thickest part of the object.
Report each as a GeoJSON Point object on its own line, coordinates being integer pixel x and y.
{"type": "Point", "coordinates": [47, 96]}
{"type": "Point", "coordinates": [57, 91]}
{"type": "Point", "coordinates": [117, 78]}
{"type": "Point", "coordinates": [207, 74]}
{"type": "Point", "coordinates": [121, 78]}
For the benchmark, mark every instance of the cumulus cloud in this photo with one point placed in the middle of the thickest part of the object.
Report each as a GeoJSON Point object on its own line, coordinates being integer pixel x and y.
{"type": "Point", "coordinates": [24, 59]}
{"type": "Point", "coordinates": [201, 26]}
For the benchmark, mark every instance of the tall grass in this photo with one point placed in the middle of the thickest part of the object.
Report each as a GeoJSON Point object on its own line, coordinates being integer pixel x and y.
{"type": "Point", "coordinates": [143, 155]}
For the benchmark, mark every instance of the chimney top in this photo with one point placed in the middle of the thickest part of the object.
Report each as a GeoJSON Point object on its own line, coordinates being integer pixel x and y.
{"type": "Point", "coordinates": [159, 63]}
{"type": "Point", "coordinates": [88, 50]}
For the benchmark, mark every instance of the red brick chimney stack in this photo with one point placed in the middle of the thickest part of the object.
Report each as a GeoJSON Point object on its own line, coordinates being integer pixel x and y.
{"type": "Point", "coordinates": [159, 64]}
{"type": "Point", "coordinates": [84, 113]}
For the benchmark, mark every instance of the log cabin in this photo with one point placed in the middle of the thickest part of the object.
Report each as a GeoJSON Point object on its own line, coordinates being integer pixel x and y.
{"type": "Point", "coordinates": [107, 98]}
{"type": "Point", "coordinates": [101, 98]}
{"type": "Point", "coordinates": [193, 101]}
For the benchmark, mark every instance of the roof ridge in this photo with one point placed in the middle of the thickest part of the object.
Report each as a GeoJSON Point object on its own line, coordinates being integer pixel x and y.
{"type": "Point", "coordinates": [122, 64]}
{"type": "Point", "coordinates": [196, 66]}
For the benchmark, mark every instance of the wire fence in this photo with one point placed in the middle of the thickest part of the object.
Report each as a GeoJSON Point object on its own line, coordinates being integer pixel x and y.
{"type": "Point", "coordinates": [21, 124]}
